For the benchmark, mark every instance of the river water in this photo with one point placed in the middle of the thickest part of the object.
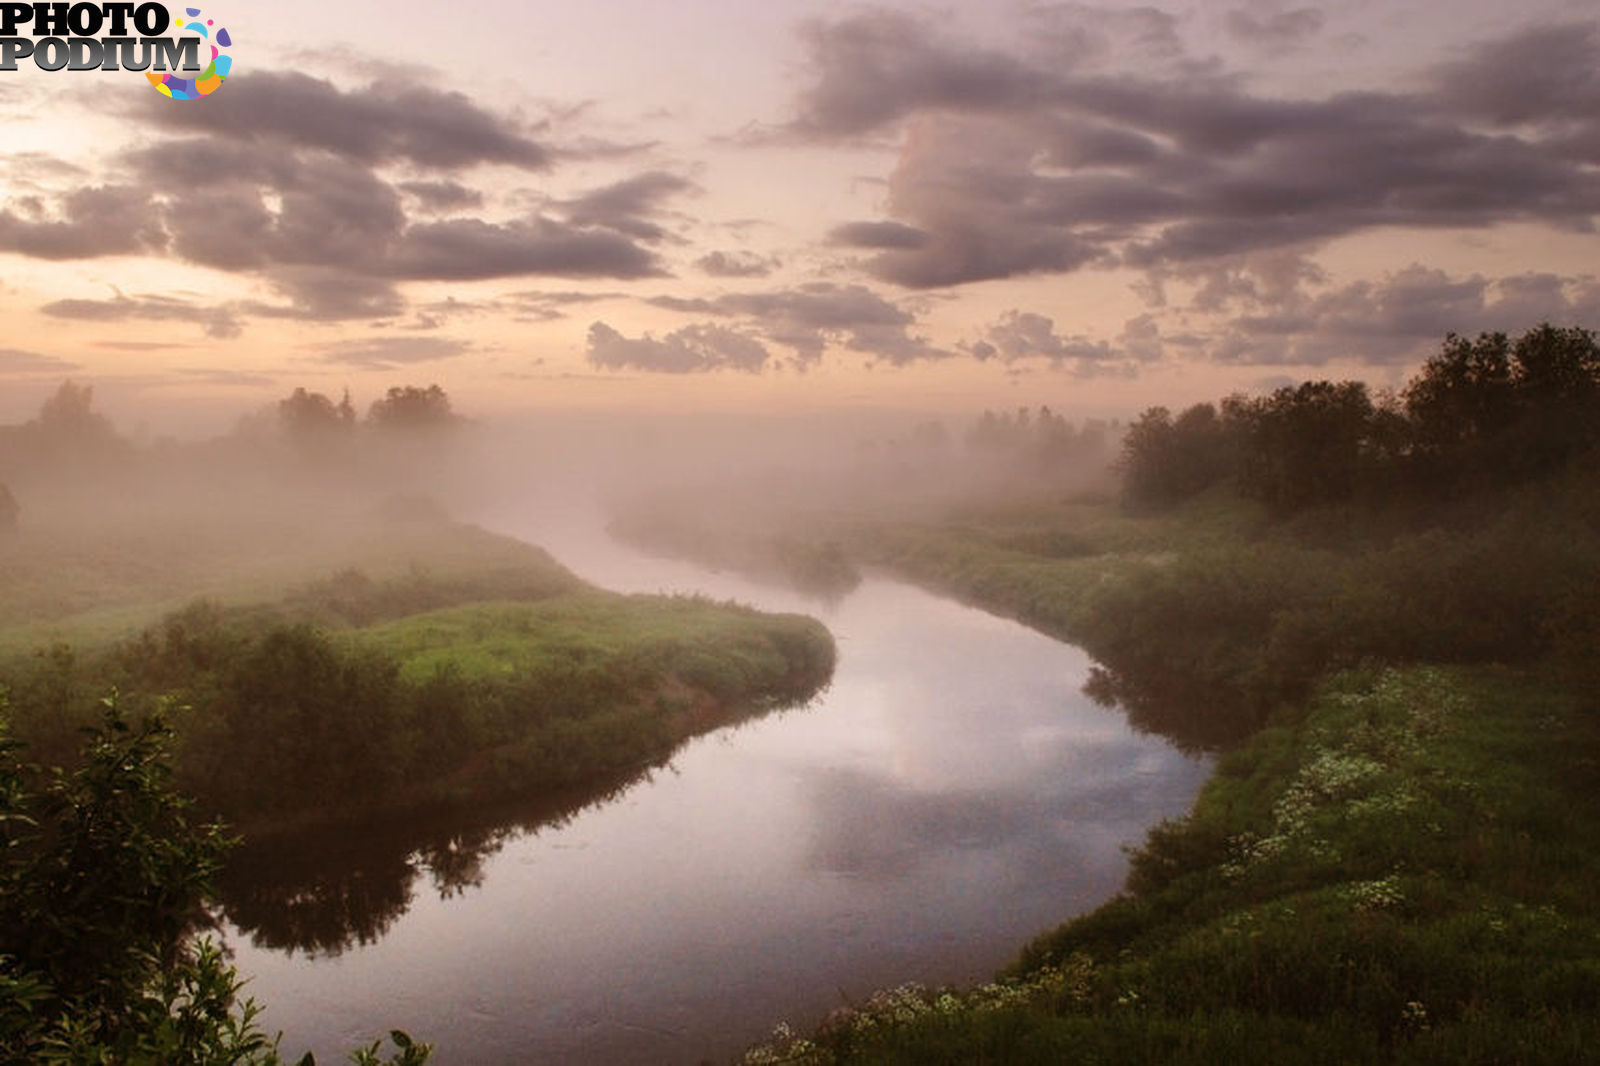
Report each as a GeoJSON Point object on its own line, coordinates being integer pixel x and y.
{"type": "Point", "coordinates": [950, 795]}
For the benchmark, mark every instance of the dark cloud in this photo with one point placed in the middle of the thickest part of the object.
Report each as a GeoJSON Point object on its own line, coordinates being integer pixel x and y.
{"type": "Point", "coordinates": [874, 68]}
{"type": "Point", "coordinates": [88, 222]}
{"type": "Point", "coordinates": [878, 235]}
{"type": "Point", "coordinates": [692, 349]}
{"type": "Point", "coordinates": [220, 322]}
{"type": "Point", "coordinates": [442, 196]}
{"type": "Point", "coordinates": [328, 294]}
{"type": "Point", "coordinates": [17, 361]}
{"type": "Point", "coordinates": [1401, 317]}
{"type": "Point", "coordinates": [293, 216]}
{"type": "Point", "coordinates": [391, 120]}
{"type": "Point", "coordinates": [471, 249]}
{"type": "Point", "coordinates": [808, 318]}
{"type": "Point", "coordinates": [1035, 162]}
{"type": "Point", "coordinates": [1268, 26]}
{"type": "Point", "coordinates": [735, 264]}
{"type": "Point", "coordinates": [387, 353]}
{"type": "Point", "coordinates": [1025, 336]}
{"type": "Point", "coordinates": [628, 206]}
{"type": "Point", "coordinates": [1535, 75]}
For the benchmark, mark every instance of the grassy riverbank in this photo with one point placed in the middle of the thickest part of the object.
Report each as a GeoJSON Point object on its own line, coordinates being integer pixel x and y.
{"type": "Point", "coordinates": [393, 664]}
{"type": "Point", "coordinates": [1398, 871]}
{"type": "Point", "coordinates": [1388, 620]}
{"type": "Point", "coordinates": [1395, 858]}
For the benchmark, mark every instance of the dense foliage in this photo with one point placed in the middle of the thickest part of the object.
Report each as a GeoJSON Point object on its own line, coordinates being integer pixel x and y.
{"type": "Point", "coordinates": [418, 705]}
{"type": "Point", "coordinates": [103, 873]}
{"type": "Point", "coordinates": [1480, 413]}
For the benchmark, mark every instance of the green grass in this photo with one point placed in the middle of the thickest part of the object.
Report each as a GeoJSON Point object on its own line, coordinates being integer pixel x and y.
{"type": "Point", "coordinates": [1394, 861]}
{"type": "Point", "coordinates": [1404, 874]}
{"type": "Point", "coordinates": [362, 665]}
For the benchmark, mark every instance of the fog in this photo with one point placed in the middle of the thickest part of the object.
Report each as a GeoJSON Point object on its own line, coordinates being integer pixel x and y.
{"type": "Point", "coordinates": [279, 467]}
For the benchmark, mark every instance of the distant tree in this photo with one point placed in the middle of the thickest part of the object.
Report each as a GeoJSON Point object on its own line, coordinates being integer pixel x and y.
{"type": "Point", "coordinates": [1491, 409]}
{"type": "Point", "coordinates": [69, 428]}
{"type": "Point", "coordinates": [1462, 398]}
{"type": "Point", "coordinates": [1165, 460]}
{"type": "Point", "coordinates": [312, 420]}
{"type": "Point", "coordinates": [409, 407]}
{"type": "Point", "coordinates": [1303, 444]}
{"type": "Point", "coordinates": [1556, 377]}
{"type": "Point", "coordinates": [9, 509]}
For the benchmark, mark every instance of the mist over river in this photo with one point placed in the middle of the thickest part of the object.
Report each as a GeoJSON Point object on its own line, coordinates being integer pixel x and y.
{"type": "Point", "coordinates": [951, 794]}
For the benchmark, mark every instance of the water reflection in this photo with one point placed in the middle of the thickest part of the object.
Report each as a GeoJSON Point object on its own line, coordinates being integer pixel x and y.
{"type": "Point", "coordinates": [323, 891]}
{"type": "Point", "coordinates": [952, 795]}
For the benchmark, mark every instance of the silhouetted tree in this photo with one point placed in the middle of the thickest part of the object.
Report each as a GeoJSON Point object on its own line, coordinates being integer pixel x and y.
{"type": "Point", "coordinates": [1304, 444]}
{"type": "Point", "coordinates": [1492, 410]}
{"type": "Point", "coordinates": [9, 509]}
{"type": "Point", "coordinates": [1166, 460]}
{"type": "Point", "coordinates": [312, 417]}
{"type": "Point", "coordinates": [411, 407]}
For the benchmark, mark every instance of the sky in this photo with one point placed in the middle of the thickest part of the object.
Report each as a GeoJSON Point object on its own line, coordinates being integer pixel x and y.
{"type": "Point", "coordinates": [794, 206]}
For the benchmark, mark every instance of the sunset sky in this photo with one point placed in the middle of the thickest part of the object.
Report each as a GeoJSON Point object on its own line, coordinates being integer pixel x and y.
{"type": "Point", "coordinates": [796, 205]}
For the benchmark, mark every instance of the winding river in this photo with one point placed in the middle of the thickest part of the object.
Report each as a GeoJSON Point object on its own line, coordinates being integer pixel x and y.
{"type": "Point", "coordinates": [950, 795]}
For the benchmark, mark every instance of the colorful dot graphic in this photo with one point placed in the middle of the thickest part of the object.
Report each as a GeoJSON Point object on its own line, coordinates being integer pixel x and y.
{"type": "Point", "coordinates": [168, 83]}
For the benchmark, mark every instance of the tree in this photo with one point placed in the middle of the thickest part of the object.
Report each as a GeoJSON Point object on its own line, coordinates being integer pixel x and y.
{"type": "Point", "coordinates": [1490, 409]}
{"type": "Point", "coordinates": [409, 407]}
{"type": "Point", "coordinates": [102, 875]}
{"type": "Point", "coordinates": [311, 419]}
{"type": "Point", "coordinates": [1304, 444]}
{"type": "Point", "coordinates": [9, 510]}
{"type": "Point", "coordinates": [1166, 460]}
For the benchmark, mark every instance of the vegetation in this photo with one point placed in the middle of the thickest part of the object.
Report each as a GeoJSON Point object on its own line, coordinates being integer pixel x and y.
{"type": "Point", "coordinates": [102, 876]}
{"type": "Point", "coordinates": [311, 640]}
{"type": "Point", "coordinates": [1387, 615]}
{"type": "Point", "coordinates": [352, 695]}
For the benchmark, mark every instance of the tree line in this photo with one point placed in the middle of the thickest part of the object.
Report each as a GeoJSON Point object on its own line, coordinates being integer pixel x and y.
{"type": "Point", "coordinates": [1481, 413]}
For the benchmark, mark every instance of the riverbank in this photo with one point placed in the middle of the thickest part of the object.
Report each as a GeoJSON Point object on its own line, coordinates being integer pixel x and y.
{"type": "Point", "coordinates": [392, 665]}
{"type": "Point", "coordinates": [1395, 857]}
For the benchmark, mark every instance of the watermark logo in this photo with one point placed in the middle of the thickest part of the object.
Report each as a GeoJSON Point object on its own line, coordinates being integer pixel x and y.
{"type": "Point", "coordinates": [120, 36]}
{"type": "Point", "coordinates": [216, 72]}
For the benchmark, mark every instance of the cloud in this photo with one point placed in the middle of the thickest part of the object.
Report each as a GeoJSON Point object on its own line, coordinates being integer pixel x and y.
{"type": "Point", "coordinates": [878, 235]}
{"type": "Point", "coordinates": [1269, 26]}
{"type": "Point", "coordinates": [1533, 75]}
{"type": "Point", "coordinates": [629, 205]}
{"type": "Point", "coordinates": [721, 264]}
{"type": "Point", "coordinates": [89, 222]}
{"type": "Point", "coordinates": [809, 318]}
{"type": "Point", "coordinates": [692, 349]}
{"type": "Point", "coordinates": [334, 215]}
{"type": "Point", "coordinates": [17, 361]}
{"type": "Point", "coordinates": [387, 353]}
{"type": "Point", "coordinates": [441, 196]}
{"type": "Point", "coordinates": [218, 321]}
{"type": "Point", "coordinates": [472, 249]}
{"type": "Point", "coordinates": [223, 376]}
{"type": "Point", "coordinates": [327, 294]}
{"type": "Point", "coordinates": [391, 120]}
{"type": "Point", "coordinates": [1400, 317]}
{"type": "Point", "coordinates": [874, 68]}
{"type": "Point", "coordinates": [1034, 161]}
{"type": "Point", "coordinates": [550, 306]}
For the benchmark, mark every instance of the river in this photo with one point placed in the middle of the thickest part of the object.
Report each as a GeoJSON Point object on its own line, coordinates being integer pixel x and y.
{"type": "Point", "coordinates": [950, 795]}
